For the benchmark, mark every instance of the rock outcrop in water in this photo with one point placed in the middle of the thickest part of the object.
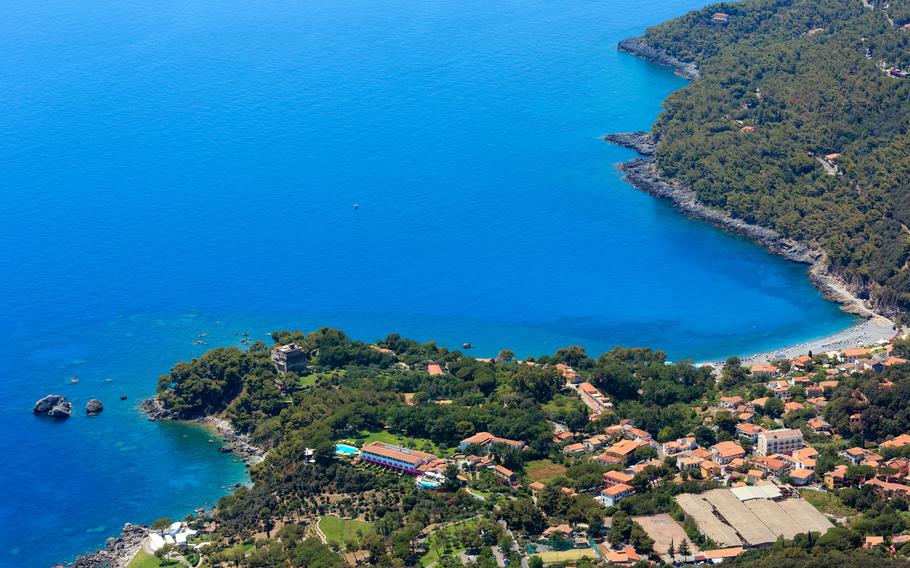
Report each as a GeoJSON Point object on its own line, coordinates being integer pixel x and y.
{"type": "Point", "coordinates": [643, 174]}
{"type": "Point", "coordinates": [641, 142]}
{"type": "Point", "coordinates": [153, 408]}
{"type": "Point", "coordinates": [53, 405]}
{"type": "Point", "coordinates": [638, 47]}
{"type": "Point", "coordinates": [118, 552]}
{"type": "Point", "coordinates": [93, 407]}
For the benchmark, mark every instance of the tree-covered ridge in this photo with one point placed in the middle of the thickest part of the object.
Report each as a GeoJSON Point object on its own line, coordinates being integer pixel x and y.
{"type": "Point", "coordinates": [795, 125]}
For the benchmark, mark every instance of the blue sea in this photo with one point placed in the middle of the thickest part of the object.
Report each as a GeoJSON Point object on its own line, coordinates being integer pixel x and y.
{"type": "Point", "coordinates": [185, 167]}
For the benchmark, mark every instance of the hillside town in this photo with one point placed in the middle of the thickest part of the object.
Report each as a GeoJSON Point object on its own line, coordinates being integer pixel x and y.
{"type": "Point", "coordinates": [563, 460]}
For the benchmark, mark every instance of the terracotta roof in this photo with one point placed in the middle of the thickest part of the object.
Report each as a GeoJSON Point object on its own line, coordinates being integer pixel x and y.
{"type": "Point", "coordinates": [859, 352]}
{"type": "Point", "coordinates": [748, 428]}
{"type": "Point", "coordinates": [625, 447]}
{"type": "Point", "coordinates": [504, 471]}
{"type": "Point", "coordinates": [412, 457]}
{"type": "Point", "coordinates": [588, 388]}
{"type": "Point", "coordinates": [728, 449]}
{"type": "Point", "coordinates": [615, 490]}
{"type": "Point", "coordinates": [618, 476]}
{"type": "Point", "coordinates": [723, 553]}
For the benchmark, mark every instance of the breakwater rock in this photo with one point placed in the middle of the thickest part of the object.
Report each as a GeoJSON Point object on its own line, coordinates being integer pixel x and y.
{"type": "Point", "coordinates": [638, 47]}
{"type": "Point", "coordinates": [53, 405]}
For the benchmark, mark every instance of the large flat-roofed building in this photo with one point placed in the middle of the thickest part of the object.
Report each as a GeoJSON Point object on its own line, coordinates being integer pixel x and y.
{"type": "Point", "coordinates": [290, 357]}
{"type": "Point", "coordinates": [781, 441]}
{"type": "Point", "coordinates": [395, 457]}
{"type": "Point", "coordinates": [751, 516]}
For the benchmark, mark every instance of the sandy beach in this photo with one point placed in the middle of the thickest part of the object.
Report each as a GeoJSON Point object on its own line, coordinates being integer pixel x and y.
{"type": "Point", "coordinates": [866, 333]}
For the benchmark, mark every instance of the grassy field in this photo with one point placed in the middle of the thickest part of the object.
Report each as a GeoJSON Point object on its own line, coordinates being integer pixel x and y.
{"type": "Point", "coordinates": [827, 503]}
{"type": "Point", "coordinates": [566, 555]}
{"type": "Point", "coordinates": [308, 380]}
{"type": "Point", "coordinates": [146, 560]}
{"type": "Point", "coordinates": [339, 531]}
{"type": "Point", "coordinates": [544, 470]}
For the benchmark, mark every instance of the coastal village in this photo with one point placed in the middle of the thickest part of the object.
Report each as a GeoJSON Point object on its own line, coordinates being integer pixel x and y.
{"type": "Point", "coordinates": [757, 459]}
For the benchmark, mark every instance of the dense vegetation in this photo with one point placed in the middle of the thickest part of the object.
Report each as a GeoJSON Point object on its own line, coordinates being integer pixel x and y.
{"type": "Point", "coordinates": [783, 84]}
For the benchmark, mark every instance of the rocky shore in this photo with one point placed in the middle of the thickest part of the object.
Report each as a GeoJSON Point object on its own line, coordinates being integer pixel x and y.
{"type": "Point", "coordinates": [239, 444]}
{"type": "Point", "coordinates": [118, 552]}
{"type": "Point", "coordinates": [638, 47]}
{"type": "Point", "coordinates": [234, 441]}
{"type": "Point", "coordinates": [642, 173]}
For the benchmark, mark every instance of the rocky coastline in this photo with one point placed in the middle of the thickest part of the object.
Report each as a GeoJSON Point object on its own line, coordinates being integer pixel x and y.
{"type": "Point", "coordinates": [118, 552]}
{"type": "Point", "coordinates": [638, 47]}
{"type": "Point", "coordinates": [642, 173]}
{"type": "Point", "coordinates": [234, 442]}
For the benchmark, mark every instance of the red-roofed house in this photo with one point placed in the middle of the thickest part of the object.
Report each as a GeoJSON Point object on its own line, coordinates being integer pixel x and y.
{"type": "Point", "coordinates": [725, 452]}
{"type": "Point", "coordinates": [851, 355]}
{"type": "Point", "coordinates": [801, 477]}
{"type": "Point", "coordinates": [749, 431]}
{"type": "Point", "coordinates": [610, 496]}
{"type": "Point", "coordinates": [764, 370]}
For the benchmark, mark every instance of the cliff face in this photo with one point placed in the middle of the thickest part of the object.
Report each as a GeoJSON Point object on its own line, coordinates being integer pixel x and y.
{"type": "Point", "coordinates": [644, 175]}
{"type": "Point", "coordinates": [637, 46]}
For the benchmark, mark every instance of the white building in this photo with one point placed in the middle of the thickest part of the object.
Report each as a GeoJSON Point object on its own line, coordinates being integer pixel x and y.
{"type": "Point", "coordinates": [781, 441]}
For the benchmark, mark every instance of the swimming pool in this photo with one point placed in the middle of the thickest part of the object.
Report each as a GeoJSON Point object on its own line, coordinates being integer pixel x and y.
{"type": "Point", "coordinates": [424, 484]}
{"type": "Point", "coordinates": [346, 450]}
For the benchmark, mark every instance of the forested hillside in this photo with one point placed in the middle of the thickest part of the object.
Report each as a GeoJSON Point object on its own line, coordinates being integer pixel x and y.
{"type": "Point", "coordinates": [799, 122]}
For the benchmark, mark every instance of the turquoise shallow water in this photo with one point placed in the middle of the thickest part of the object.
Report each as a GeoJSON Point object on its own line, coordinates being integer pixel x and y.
{"type": "Point", "coordinates": [192, 166]}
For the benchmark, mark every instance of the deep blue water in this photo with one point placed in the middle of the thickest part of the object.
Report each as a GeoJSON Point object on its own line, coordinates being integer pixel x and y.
{"type": "Point", "coordinates": [181, 167]}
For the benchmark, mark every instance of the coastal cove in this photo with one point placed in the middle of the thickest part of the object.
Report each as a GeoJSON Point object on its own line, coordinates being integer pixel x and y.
{"type": "Point", "coordinates": [194, 177]}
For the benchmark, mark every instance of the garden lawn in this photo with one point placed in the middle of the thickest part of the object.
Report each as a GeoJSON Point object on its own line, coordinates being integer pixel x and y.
{"type": "Point", "coordinates": [146, 560]}
{"type": "Point", "coordinates": [339, 531]}
{"type": "Point", "coordinates": [308, 380]}
{"type": "Point", "coordinates": [544, 470]}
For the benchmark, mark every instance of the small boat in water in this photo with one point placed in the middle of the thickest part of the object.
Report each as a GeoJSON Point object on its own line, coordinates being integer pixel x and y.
{"type": "Point", "coordinates": [467, 345]}
{"type": "Point", "coordinates": [122, 397]}
{"type": "Point", "coordinates": [74, 380]}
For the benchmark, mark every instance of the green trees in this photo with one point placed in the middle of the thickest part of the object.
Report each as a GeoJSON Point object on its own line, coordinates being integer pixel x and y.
{"type": "Point", "coordinates": [523, 515]}
{"type": "Point", "coordinates": [540, 383]}
{"type": "Point", "coordinates": [621, 530]}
